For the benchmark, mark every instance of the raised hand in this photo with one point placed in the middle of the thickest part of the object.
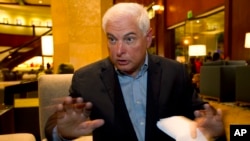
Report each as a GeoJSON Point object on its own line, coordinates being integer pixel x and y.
{"type": "Point", "coordinates": [73, 118]}
{"type": "Point", "coordinates": [210, 122]}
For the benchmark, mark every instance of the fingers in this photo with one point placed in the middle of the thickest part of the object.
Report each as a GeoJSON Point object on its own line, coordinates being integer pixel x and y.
{"type": "Point", "coordinates": [72, 106]}
{"type": "Point", "coordinates": [87, 109]}
{"type": "Point", "coordinates": [68, 105]}
{"type": "Point", "coordinates": [60, 111]}
{"type": "Point", "coordinates": [208, 111]}
{"type": "Point", "coordinates": [78, 105]}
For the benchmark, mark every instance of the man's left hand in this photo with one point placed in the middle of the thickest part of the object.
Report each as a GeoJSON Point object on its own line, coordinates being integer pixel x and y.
{"type": "Point", "coordinates": [209, 121]}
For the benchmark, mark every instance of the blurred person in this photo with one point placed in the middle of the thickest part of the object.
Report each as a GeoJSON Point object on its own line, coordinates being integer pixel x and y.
{"type": "Point", "coordinates": [196, 82]}
{"type": "Point", "coordinates": [65, 68]}
{"type": "Point", "coordinates": [208, 57]}
{"type": "Point", "coordinates": [198, 64]}
{"type": "Point", "coordinates": [216, 56]}
{"type": "Point", "coordinates": [48, 69]}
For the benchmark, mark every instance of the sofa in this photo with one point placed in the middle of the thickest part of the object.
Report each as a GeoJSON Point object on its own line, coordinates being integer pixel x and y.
{"type": "Point", "coordinates": [52, 88]}
{"type": "Point", "coordinates": [217, 79]}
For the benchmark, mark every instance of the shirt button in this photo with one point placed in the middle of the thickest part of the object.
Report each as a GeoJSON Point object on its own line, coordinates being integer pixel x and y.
{"type": "Point", "coordinates": [138, 102]}
{"type": "Point", "coordinates": [141, 123]}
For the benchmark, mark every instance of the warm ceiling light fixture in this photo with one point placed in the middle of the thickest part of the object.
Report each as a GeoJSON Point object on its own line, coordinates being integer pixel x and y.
{"type": "Point", "coordinates": [158, 7]}
{"type": "Point", "coordinates": [186, 42]}
{"type": "Point", "coordinates": [5, 20]}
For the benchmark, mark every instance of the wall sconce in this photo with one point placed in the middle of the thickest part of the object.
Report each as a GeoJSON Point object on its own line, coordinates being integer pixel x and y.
{"type": "Point", "coordinates": [36, 22]}
{"type": "Point", "coordinates": [47, 45]}
{"type": "Point", "coordinates": [49, 24]}
{"type": "Point", "coordinates": [197, 50]}
{"type": "Point", "coordinates": [18, 21]}
{"type": "Point", "coordinates": [5, 20]}
{"type": "Point", "coordinates": [247, 40]}
{"type": "Point", "coordinates": [158, 8]}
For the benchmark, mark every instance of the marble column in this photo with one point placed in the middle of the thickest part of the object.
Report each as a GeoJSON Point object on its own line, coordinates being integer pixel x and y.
{"type": "Point", "coordinates": [78, 36]}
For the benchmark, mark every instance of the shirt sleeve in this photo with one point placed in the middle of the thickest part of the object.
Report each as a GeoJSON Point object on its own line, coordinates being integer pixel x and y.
{"type": "Point", "coordinates": [56, 136]}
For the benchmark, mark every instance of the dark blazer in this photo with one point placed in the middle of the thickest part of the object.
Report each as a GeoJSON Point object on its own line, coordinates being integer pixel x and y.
{"type": "Point", "coordinates": [169, 92]}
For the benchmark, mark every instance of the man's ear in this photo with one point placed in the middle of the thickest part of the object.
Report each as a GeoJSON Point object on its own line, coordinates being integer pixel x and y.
{"type": "Point", "coordinates": [149, 37]}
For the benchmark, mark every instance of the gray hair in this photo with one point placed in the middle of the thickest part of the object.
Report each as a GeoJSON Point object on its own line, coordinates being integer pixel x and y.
{"type": "Point", "coordinates": [132, 9]}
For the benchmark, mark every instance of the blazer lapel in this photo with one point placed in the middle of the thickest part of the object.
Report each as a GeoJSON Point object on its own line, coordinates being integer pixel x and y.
{"type": "Point", "coordinates": [154, 76]}
{"type": "Point", "coordinates": [153, 92]}
{"type": "Point", "coordinates": [108, 78]}
{"type": "Point", "coordinates": [120, 117]}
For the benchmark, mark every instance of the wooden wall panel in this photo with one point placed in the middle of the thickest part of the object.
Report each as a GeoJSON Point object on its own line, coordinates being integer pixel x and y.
{"type": "Point", "coordinates": [237, 21]}
{"type": "Point", "coordinates": [176, 10]}
{"type": "Point", "coordinates": [240, 24]}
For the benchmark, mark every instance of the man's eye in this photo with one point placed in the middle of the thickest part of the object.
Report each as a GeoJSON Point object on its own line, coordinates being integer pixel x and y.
{"type": "Point", "coordinates": [129, 40]}
{"type": "Point", "coordinates": [111, 40]}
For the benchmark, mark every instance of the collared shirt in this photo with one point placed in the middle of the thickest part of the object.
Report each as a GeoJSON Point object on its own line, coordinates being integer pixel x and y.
{"type": "Point", "coordinates": [134, 90]}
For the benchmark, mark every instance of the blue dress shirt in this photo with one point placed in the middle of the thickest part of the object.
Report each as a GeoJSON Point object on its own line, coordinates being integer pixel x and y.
{"type": "Point", "coordinates": [134, 90]}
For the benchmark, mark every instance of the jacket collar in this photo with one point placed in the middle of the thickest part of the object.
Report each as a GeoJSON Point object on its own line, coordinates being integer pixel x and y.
{"type": "Point", "coordinates": [108, 75]}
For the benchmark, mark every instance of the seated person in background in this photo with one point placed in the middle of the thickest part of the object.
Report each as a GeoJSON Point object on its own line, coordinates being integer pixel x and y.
{"type": "Point", "coordinates": [216, 56]}
{"type": "Point", "coordinates": [208, 57]}
{"type": "Point", "coordinates": [48, 69]}
{"type": "Point", "coordinates": [121, 98]}
{"type": "Point", "coordinates": [65, 68]}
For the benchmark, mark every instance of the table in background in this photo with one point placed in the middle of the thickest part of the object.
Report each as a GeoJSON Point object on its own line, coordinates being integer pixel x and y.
{"type": "Point", "coordinates": [6, 120]}
{"type": "Point", "coordinates": [3, 84]}
{"type": "Point", "coordinates": [27, 116]}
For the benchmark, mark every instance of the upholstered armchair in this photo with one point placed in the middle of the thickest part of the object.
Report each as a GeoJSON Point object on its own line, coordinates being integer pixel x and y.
{"type": "Point", "coordinates": [242, 85]}
{"type": "Point", "coordinates": [17, 137]}
{"type": "Point", "coordinates": [217, 79]}
{"type": "Point", "coordinates": [51, 88]}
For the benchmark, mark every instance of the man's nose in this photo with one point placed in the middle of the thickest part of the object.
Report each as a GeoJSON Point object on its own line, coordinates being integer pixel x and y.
{"type": "Point", "coordinates": [120, 48]}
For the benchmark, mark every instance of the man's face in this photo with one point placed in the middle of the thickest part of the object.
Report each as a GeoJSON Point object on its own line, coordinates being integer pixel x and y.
{"type": "Point", "coordinates": [127, 45]}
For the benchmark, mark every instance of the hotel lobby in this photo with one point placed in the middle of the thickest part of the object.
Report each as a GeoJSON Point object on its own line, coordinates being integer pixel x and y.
{"type": "Point", "coordinates": [77, 39]}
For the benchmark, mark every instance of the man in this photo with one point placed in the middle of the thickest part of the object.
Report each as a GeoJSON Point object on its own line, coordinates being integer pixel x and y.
{"type": "Point", "coordinates": [122, 97]}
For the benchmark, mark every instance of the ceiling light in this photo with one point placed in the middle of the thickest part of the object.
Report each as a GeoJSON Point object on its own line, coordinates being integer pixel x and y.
{"type": "Point", "coordinates": [158, 7]}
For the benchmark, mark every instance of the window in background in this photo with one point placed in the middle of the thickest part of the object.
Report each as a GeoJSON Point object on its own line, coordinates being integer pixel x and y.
{"type": "Point", "coordinates": [207, 30]}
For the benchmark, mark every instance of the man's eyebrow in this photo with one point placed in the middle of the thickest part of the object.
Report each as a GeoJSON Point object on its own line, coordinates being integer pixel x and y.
{"type": "Point", "coordinates": [109, 34]}
{"type": "Point", "coordinates": [130, 33]}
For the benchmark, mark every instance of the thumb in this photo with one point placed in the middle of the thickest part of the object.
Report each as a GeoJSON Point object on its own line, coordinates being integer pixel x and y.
{"type": "Point", "coordinates": [93, 124]}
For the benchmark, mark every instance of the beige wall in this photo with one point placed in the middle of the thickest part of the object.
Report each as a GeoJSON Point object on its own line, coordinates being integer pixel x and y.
{"type": "Point", "coordinates": [78, 36]}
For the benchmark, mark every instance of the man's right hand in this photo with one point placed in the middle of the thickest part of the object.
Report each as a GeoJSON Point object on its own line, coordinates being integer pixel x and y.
{"type": "Point", "coordinates": [73, 118]}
